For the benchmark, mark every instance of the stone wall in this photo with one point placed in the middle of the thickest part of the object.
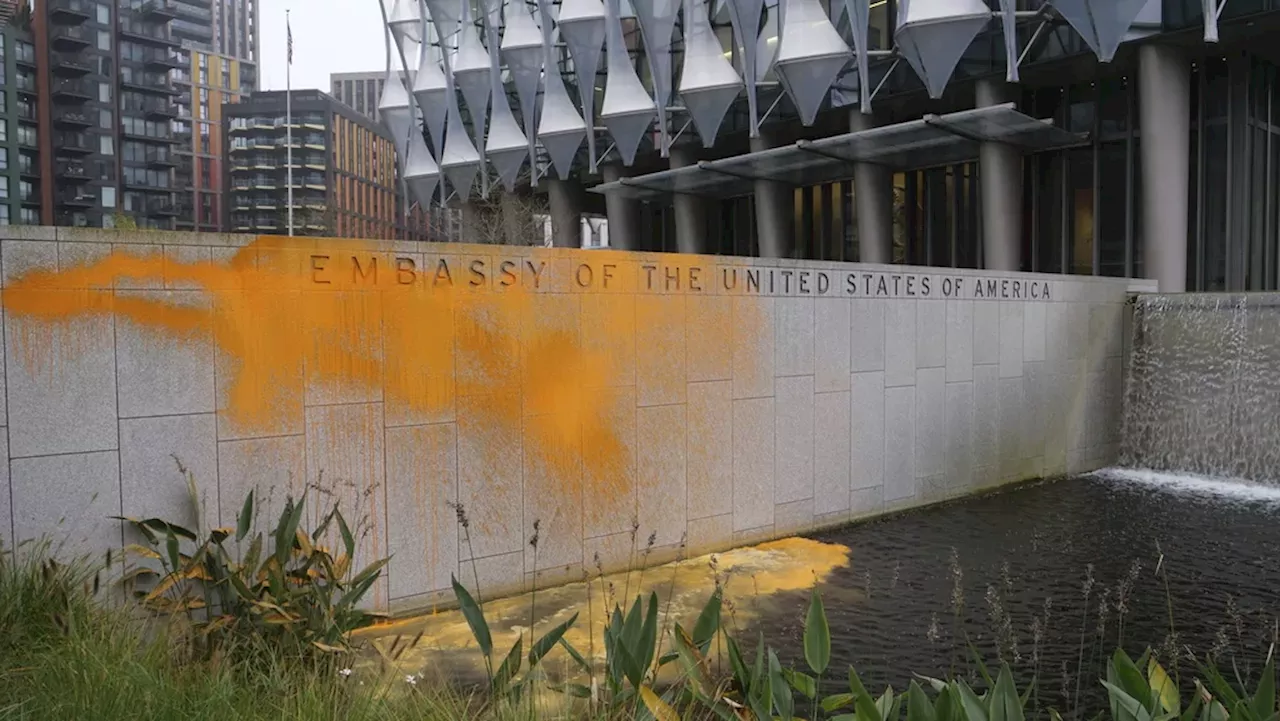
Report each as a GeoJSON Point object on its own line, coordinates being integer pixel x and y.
{"type": "Point", "coordinates": [704, 401]}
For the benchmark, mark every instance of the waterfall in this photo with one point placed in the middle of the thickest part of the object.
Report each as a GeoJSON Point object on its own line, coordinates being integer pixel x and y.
{"type": "Point", "coordinates": [1203, 391]}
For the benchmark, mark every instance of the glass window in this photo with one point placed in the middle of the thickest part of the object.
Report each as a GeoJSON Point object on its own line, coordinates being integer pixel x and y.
{"type": "Point", "coordinates": [108, 197]}
{"type": "Point", "coordinates": [29, 216]}
{"type": "Point", "coordinates": [104, 40]}
{"type": "Point", "coordinates": [4, 215]}
{"type": "Point", "coordinates": [104, 14]}
{"type": "Point", "coordinates": [107, 146]}
{"type": "Point", "coordinates": [4, 132]}
{"type": "Point", "coordinates": [4, 158]}
{"type": "Point", "coordinates": [4, 186]}
{"type": "Point", "coordinates": [104, 119]}
{"type": "Point", "coordinates": [27, 135]}
{"type": "Point", "coordinates": [104, 92]}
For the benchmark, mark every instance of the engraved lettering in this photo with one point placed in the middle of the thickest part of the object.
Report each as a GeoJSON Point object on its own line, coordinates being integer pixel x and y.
{"type": "Point", "coordinates": [507, 269]}
{"type": "Point", "coordinates": [648, 275]}
{"type": "Point", "coordinates": [786, 281]}
{"type": "Point", "coordinates": [583, 280]}
{"type": "Point", "coordinates": [824, 283]}
{"type": "Point", "coordinates": [694, 282]}
{"type": "Point", "coordinates": [358, 273]}
{"type": "Point", "coordinates": [753, 280]}
{"type": "Point", "coordinates": [672, 275]}
{"type": "Point", "coordinates": [537, 271]}
{"type": "Point", "coordinates": [607, 273]}
{"type": "Point", "coordinates": [729, 273]}
{"type": "Point", "coordinates": [406, 271]}
{"type": "Point", "coordinates": [911, 285]}
{"type": "Point", "coordinates": [924, 285]}
{"type": "Point", "coordinates": [477, 273]}
{"type": "Point", "coordinates": [317, 266]}
{"type": "Point", "coordinates": [443, 275]}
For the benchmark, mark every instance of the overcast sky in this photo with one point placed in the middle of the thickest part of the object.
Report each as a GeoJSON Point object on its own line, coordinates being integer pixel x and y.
{"type": "Point", "coordinates": [329, 36]}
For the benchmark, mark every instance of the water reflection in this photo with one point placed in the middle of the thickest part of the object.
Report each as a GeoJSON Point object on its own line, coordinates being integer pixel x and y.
{"type": "Point", "coordinates": [1051, 577]}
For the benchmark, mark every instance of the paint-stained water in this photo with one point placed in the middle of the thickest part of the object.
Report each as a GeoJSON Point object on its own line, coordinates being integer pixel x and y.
{"type": "Point", "coordinates": [752, 578]}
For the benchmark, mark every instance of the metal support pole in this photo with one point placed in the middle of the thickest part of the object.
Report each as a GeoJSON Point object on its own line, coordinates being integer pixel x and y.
{"type": "Point", "coordinates": [1001, 179]}
{"type": "Point", "coordinates": [873, 196]}
{"type": "Point", "coordinates": [623, 213]}
{"type": "Point", "coordinates": [691, 217]}
{"type": "Point", "coordinates": [773, 202]}
{"type": "Point", "coordinates": [1164, 94]}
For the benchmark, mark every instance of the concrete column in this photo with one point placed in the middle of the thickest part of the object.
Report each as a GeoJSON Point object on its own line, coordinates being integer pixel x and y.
{"type": "Point", "coordinates": [691, 211]}
{"type": "Point", "coordinates": [1001, 173]}
{"type": "Point", "coordinates": [623, 213]}
{"type": "Point", "coordinates": [873, 196]}
{"type": "Point", "coordinates": [774, 203]}
{"type": "Point", "coordinates": [1164, 97]}
{"type": "Point", "coordinates": [565, 199]}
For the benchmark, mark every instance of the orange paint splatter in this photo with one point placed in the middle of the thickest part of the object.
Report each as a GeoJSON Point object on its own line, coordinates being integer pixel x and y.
{"type": "Point", "coordinates": [287, 319]}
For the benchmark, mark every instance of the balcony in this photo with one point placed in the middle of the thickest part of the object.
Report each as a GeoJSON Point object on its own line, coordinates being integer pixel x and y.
{"type": "Point", "coordinates": [158, 108]}
{"type": "Point", "coordinates": [73, 91]}
{"type": "Point", "coordinates": [76, 199]}
{"type": "Point", "coordinates": [161, 158]}
{"type": "Point", "coordinates": [27, 111]}
{"type": "Point", "coordinates": [147, 34]}
{"type": "Point", "coordinates": [25, 83]}
{"type": "Point", "coordinates": [161, 10]}
{"type": "Point", "coordinates": [148, 84]}
{"type": "Point", "coordinates": [71, 119]}
{"type": "Point", "coordinates": [73, 144]}
{"type": "Point", "coordinates": [70, 12]}
{"type": "Point", "coordinates": [70, 65]}
{"type": "Point", "coordinates": [72, 172]}
{"type": "Point", "coordinates": [28, 168]}
{"type": "Point", "coordinates": [162, 59]}
{"type": "Point", "coordinates": [73, 38]}
{"type": "Point", "coordinates": [25, 55]}
{"type": "Point", "coordinates": [158, 139]}
{"type": "Point", "coordinates": [162, 207]}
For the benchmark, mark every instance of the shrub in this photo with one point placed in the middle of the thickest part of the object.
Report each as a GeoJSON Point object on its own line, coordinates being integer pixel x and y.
{"type": "Point", "coordinates": [284, 588]}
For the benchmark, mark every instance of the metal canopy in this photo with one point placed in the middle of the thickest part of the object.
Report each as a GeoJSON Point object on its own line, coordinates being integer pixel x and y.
{"type": "Point", "coordinates": [931, 141]}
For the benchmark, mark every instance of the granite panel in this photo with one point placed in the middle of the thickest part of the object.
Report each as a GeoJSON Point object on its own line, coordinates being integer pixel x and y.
{"type": "Point", "coordinates": [1012, 334]}
{"type": "Point", "coordinates": [986, 332]}
{"type": "Point", "coordinates": [660, 349]}
{"type": "Point", "coordinates": [273, 468]}
{"type": "Point", "coordinates": [609, 462]}
{"type": "Point", "coordinates": [753, 320]}
{"type": "Point", "coordinates": [660, 443]}
{"type": "Point", "coordinates": [930, 423]}
{"type": "Point", "coordinates": [831, 345]}
{"type": "Point", "coordinates": [832, 452]}
{"type": "Point", "coordinates": [794, 438]}
{"type": "Point", "coordinates": [931, 333]}
{"type": "Point", "coordinates": [422, 527]}
{"type": "Point", "coordinates": [867, 429]}
{"type": "Point", "coordinates": [158, 373]}
{"type": "Point", "coordinates": [794, 338]}
{"type": "Point", "coordinates": [709, 337]}
{"type": "Point", "coordinates": [753, 463]}
{"type": "Point", "coordinates": [68, 499]}
{"type": "Point", "coordinates": [156, 456]}
{"type": "Point", "coordinates": [553, 488]}
{"type": "Point", "coordinates": [959, 429]}
{"type": "Point", "coordinates": [959, 340]}
{"type": "Point", "coordinates": [900, 343]}
{"type": "Point", "coordinates": [867, 335]}
{"type": "Point", "coordinates": [710, 470]}
{"type": "Point", "coordinates": [490, 473]}
{"type": "Point", "coordinates": [899, 443]}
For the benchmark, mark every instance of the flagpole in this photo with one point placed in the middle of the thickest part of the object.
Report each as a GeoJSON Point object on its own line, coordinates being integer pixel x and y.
{"type": "Point", "coordinates": [288, 120]}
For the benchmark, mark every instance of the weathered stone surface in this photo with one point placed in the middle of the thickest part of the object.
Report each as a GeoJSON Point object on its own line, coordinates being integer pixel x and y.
{"type": "Point", "coordinates": [710, 468]}
{"type": "Point", "coordinates": [725, 414]}
{"type": "Point", "coordinates": [156, 454]}
{"type": "Point", "coordinates": [793, 434]}
{"type": "Point", "coordinates": [69, 499]}
{"type": "Point", "coordinates": [422, 529]}
{"type": "Point", "coordinates": [753, 458]}
{"type": "Point", "coordinates": [831, 412]}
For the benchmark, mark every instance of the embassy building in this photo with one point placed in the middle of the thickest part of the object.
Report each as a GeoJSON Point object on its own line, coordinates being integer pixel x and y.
{"type": "Point", "coordinates": [1134, 138]}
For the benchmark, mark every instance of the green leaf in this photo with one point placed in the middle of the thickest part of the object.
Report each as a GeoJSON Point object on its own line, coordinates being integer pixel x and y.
{"type": "Point", "coordinates": [577, 690]}
{"type": "Point", "coordinates": [245, 520]}
{"type": "Point", "coordinates": [1130, 680]}
{"type": "Point", "coordinates": [649, 635]}
{"type": "Point", "coordinates": [548, 641]}
{"type": "Point", "coordinates": [573, 653]}
{"type": "Point", "coordinates": [801, 682]}
{"type": "Point", "coordinates": [1131, 706]}
{"type": "Point", "coordinates": [629, 664]}
{"type": "Point", "coordinates": [708, 621]}
{"type": "Point", "coordinates": [171, 547]}
{"type": "Point", "coordinates": [475, 617]}
{"type": "Point", "coordinates": [982, 667]}
{"type": "Point", "coordinates": [817, 635]}
{"type": "Point", "coordinates": [974, 709]}
{"type": "Point", "coordinates": [1264, 698]}
{"type": "Point", "coordinates": [659, 708]}
{"type": "Point", "coordinates": [919, 708]}
{"type": "Point", "coordinates": [946, 706]}
{"type": "Point", "coordinates": [287, 531]}
{"type": "Point", "coordinates": [348, 541]}
{"type": "Point", "coordinates": [782, 700]}
{"type": "Point", "coordinates": [1163, 688]}
{"type": "Point", "coordinates": [695, 666]}
{"type": "Point", "coordinates": [1005, 704]}
{"type": "Point", "coordinates": [740, 672]}
{"type": "Point", "coordinates": [888, 705]}
{"type": "Point", "coordinates": [863, 702]}
{"type": "Point", "coordinates": [836, 701]}
{"type": "Point", "coordinates": [510, 666]}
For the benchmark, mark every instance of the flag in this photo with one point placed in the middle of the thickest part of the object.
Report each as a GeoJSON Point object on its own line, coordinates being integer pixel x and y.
{"type": "Point", "coordinates": [289, 29]}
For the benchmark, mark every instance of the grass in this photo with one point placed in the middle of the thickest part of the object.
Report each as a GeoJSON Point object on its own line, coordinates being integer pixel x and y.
{"type": "Point", "coordinates": [66, 655]}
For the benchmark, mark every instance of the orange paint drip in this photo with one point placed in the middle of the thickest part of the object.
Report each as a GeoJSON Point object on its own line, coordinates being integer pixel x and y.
{"type": "Point", "coordinates": [283, 322]}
